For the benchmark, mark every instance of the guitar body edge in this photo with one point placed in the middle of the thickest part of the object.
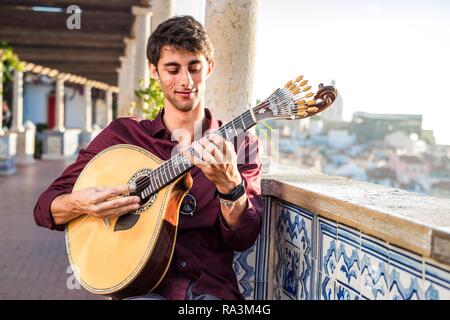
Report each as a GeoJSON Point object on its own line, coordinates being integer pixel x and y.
{"type": "Point", "coordinates": [159, 262]}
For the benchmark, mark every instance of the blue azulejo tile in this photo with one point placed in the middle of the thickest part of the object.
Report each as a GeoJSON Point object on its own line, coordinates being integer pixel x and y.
{"type": "Point", "coordinates": [374, 247]}
{"type": "Point", "coordinates": [405, 275]}
{"type": "Point", "coordinates": [276, 292]}
{"type": "Point", "coordinates": [247, 289]}
{"type": "Point", "coordinates": [342, 292]}
{"type": "Point", "coordinates": [406, 260]}
{"type": "Point", "coordinates": [349, 235]}
{"type": "Point", "coordinates": [327, 247]}
{"type": "Point", "coordinates": [374, 266]}
{"type": "Point", "coordinates": [244, 264]}
{"type": "Point", "coordinates": [348, 264]}
{"type": "Point", "coordinates": [295, 226]}
{"type": "Point", "coordinates": [279, 261]}
{"type": "Point", "coordinates": [291, 271]}
{"type": "Point", "coordinates": [325, 287]}
{"type": "Point", "coordinates": [306, 278]}
{"type": "Point", "coordinates": [437, 283]}
{"type": "Point", "coordinates": [404, 285]}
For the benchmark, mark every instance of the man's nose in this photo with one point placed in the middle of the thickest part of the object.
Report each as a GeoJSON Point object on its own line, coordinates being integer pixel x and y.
{"type": "Point", "coordinates": [186, 78]}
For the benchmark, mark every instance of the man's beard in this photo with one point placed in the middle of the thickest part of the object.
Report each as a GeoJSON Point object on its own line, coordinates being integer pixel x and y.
{"type": "Point", "coordinates": [183, 107]}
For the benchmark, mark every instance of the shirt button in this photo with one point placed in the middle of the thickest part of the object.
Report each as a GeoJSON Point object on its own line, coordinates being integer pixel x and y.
{"type": "Point", "coordinates": [183, 264]}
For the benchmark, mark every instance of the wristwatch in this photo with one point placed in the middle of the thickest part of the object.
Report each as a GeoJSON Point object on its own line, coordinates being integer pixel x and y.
{"type": "Point", "coordinates": [234, 194]}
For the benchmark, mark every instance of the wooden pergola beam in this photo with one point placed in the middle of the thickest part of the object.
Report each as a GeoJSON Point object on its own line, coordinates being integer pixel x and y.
{"type": "Point", "coordinates": [29, 37]}
{"type": "Point", "coordinates": [41, 55]}
{"type": "Point", "coordinates": [73, 78]}
{"type": "Point", "coordinates": [90, 21]}
{"type": "Point", "coordinates": [108, 5]}
{"type": "Point", "coordinates": [97, 67]}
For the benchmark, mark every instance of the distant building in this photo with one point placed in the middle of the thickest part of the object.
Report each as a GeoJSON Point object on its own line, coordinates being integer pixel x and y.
{"type": "Point", "coordinates": [372, 126]}
{"type": "Point", "coordinates": [340, 139]}
{"type": "Point", "coordinates": [409, 169]}
{"type": "Point", "coordinates": [408, 144]}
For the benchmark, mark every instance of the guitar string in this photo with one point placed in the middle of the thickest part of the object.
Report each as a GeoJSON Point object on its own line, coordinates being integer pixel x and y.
{"type": "Point", "coordinates": [165, 168]}
{"type": "Point", "coordinates": [176, 159]}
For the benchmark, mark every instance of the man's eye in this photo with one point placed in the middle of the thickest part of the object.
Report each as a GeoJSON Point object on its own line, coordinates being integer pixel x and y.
{"type": "Point", "coordinates": [173, 71]}
{"type": "Point", "coordinates": [197, 69]}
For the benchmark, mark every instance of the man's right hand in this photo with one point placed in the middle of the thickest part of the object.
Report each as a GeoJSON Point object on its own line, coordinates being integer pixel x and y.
{"type": "Point", "coordinates": [99, 202]}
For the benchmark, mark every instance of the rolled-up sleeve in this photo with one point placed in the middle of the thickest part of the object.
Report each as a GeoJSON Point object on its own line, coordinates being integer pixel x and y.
{"type": "Point", "coordinates": [63, 184]}
{"type": "Point", "coordinates": [244, 235]}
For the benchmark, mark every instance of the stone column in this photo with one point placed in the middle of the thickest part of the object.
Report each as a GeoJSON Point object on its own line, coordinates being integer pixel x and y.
{"type": "Point", "coordinates": [25, 136]}
{"type": "Point", "coordinates": [162, 10]}
{"type": "Point", "coordinates": [109, 105]}
{"type": "Point", "coordinates": [142, 33]}
{"type": "Point", "coordinates": [17, 120]}
{"type": "Point", "coordinates": [231, 26]}
{"type": "Point", "coordinates": [59, 99]}
{"type": "Point", "coordinates": [88, 133]}
{"type": "Point", "coordinates": [7, 140]}
{"type": "Point", "coordinates": [87, 124]}
{"type": "Point", "coordinates": [127, 71]}
{"type": "Point", "coordinates": [121, 100]}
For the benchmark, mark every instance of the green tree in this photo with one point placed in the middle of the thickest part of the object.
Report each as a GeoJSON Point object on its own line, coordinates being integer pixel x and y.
{"type": "Point", "coordinates": [154, 98]}
{"type": "Point", "coordinates": [10, 62]}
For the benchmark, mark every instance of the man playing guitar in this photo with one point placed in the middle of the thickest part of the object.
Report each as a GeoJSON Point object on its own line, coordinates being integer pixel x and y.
{"type": "Point", "coordinates": [221, 213]}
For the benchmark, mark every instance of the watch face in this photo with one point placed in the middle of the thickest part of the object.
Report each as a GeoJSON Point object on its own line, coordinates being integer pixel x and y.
{"type": "Point", "coordinates": [188, 205]}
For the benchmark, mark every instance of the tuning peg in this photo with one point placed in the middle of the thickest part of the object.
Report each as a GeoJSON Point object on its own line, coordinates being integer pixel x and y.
{"type": "Point", "coordinates": [288, 84]}
{"type": "Point", "coordinates": [312, 109]}
{"type": "Point", "coordinates": [300, 102]}
{"type": "Point", "coordinates": [304, 82]}
{"type": "Point", "coordinates": [302, 114]}
{"type": "Point", "coordinates": [309, 95]}
{"type": "Point", "coordinates": [306, 88]}
{"type": "Point", "coordinates": [299, 78]}
{"type": "Point", "coordinates": [295, 91]}
{"type": "Point", "coordinates": [311, 102]}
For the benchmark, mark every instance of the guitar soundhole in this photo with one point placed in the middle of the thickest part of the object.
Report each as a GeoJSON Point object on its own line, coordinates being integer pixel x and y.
{"type": "Point", "coordinates": [142, 179]}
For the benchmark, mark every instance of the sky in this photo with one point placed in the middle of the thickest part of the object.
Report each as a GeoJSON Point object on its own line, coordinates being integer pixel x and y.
{"type": "Point", "coordinates": [385, 56]}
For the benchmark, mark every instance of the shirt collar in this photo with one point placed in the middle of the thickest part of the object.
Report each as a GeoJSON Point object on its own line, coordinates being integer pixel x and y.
{"type": "Point", "coordinates": [157, 126]}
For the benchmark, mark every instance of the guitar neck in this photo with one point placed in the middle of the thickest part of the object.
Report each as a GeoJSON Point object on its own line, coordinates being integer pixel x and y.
{"type": "Point", "coordinates": [178, 165]}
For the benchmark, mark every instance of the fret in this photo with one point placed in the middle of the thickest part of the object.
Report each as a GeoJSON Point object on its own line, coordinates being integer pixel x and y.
{"type": "Point", "coordinates": [234, 127]}
{"type": "Point", "coordinates": [174, 168]}
{"type": "Point", "coordinates": [243, 124]}
{"type": "Point", "coordinates": [163, 168]}
{"type": "Point", "coordinates": [226, 134]}
{"type": "Point", "coordinates": [159, 182]}
{"type": "Point", "coordinates": [249, 122]}
{"type": "Point", "coordinates": [151, 183]}
{"type": "Point", "coordinates": [176, 165]}
{"type": "Point", "coordinates": [168, 169]}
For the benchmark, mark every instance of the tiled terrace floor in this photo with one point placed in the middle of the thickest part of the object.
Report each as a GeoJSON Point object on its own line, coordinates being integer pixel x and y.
{"type": "Point", "coordinates": [33, 260]}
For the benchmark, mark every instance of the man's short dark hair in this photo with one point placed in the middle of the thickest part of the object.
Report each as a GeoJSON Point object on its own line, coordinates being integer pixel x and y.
{"type": "Point", "coordinates": [180, 33]}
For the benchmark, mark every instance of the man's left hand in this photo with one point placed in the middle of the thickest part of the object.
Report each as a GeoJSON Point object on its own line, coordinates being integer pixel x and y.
{"type": "Point", "coordinates": [216, 157]}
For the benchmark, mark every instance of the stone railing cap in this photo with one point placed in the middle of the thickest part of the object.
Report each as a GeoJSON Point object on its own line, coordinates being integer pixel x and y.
{"type": "Point", "coordinates": [415, 222]}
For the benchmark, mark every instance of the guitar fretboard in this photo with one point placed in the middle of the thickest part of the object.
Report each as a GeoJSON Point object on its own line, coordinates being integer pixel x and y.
{"type": "Point", "coordinates": [178, 165]}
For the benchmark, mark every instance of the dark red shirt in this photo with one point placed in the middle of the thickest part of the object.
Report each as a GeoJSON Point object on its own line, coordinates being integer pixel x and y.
{"type": "Point", "coordinates": [204, 247]}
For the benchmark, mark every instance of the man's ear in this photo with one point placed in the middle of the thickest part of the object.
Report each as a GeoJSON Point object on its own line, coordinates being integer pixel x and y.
{"type": "Point", "coordinates": [153, 71]}
{"type": "Point", "coordinates": [211, 66]}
